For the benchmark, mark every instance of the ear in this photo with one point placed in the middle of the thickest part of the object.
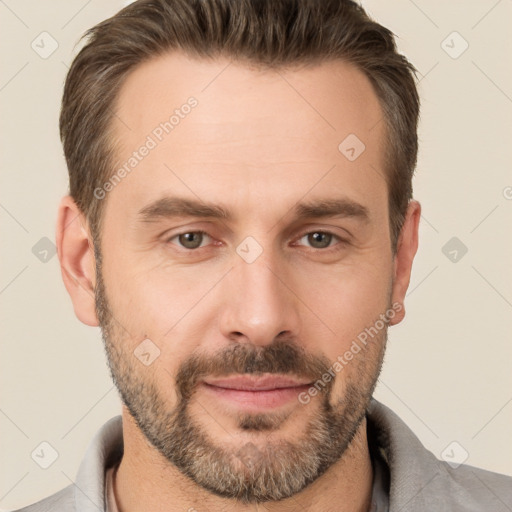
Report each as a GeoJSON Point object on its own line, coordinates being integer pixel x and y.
{"type": "Point", "coordinates": [77, 263]}
{"type": "Point", "coordinates": [406, 250]}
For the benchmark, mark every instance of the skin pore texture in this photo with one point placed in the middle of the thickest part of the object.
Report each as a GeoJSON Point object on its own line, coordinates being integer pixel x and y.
{"type": "Point", "coordinates": [287, 301]}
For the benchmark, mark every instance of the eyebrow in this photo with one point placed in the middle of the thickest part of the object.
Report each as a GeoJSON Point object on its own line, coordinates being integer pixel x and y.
{"type": "Point", "coordinates": [170, 207]}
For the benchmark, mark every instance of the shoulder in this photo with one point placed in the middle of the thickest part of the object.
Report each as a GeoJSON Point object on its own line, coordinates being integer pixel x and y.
{"type": "Point", "coordinates": [88, 489]}
{"type": "Point", "coordinates": [471, 486]}
{"type": "Point", "coordinates": [421, 482]}
{"type": "Point", "coordinates": [62, 500]}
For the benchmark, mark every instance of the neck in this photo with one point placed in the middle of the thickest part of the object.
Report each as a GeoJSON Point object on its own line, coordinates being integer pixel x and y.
{"type": "Point", "coordinates": [147, 482]}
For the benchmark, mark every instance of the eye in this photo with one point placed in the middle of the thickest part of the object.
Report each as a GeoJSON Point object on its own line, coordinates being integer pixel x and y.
{"type": "Point", "coordinates": [190, 240]}
{"type": "Point", "coordinates": [320, 239]}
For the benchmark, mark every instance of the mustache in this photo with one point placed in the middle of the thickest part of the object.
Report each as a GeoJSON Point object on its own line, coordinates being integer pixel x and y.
{"type": "Point", "coordinates": [283, 357]}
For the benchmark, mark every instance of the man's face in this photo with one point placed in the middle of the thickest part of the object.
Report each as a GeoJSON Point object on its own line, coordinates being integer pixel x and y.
{"type": "Point", "coordinates": [270, 290]}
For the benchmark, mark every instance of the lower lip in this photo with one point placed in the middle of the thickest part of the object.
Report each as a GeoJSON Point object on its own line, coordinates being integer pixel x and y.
{"type": "Point", "coordinates": [267, 399]}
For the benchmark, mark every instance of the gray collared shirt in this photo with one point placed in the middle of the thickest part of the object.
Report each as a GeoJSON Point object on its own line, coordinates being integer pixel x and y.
{"type": "Point", "coordinates": [407, 477]}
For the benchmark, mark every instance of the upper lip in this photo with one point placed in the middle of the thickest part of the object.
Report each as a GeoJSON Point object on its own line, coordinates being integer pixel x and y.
{"type": "Point", "coordinates": [256, 383]}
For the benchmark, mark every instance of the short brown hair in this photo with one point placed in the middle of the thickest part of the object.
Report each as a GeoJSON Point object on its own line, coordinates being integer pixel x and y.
{"type": "Point", "coordinates": [273, 33]}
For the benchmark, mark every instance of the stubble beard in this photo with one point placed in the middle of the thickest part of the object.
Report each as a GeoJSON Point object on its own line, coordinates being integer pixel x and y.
{"type": "Point", "coordinates": [250, 472]}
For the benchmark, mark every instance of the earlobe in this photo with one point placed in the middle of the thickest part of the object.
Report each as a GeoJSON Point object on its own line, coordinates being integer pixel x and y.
{"type": "Point", "coordinates": [406, 250]}
{"type": "Point", "coordinates": [77, 262]}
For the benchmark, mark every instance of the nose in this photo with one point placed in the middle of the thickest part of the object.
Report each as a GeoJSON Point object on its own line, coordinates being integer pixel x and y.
{"type": "Point", "coordinates": [259, 304]}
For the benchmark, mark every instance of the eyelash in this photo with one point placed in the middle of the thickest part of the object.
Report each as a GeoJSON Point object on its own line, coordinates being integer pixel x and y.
{"type": "Point", "coordinates": [341, 241]}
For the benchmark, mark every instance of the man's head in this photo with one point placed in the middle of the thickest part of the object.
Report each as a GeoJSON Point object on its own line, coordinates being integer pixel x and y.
{"type": "Point", "coordinates": [244, 172]}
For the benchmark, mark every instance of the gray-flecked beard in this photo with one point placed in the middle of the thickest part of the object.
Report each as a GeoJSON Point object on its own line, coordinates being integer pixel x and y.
{"type": "Point", "coordinates": [255, 472]}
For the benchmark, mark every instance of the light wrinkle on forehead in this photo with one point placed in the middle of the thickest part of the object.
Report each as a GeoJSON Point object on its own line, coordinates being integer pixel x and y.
{"type": "Point", "coordinates": [327, 94]}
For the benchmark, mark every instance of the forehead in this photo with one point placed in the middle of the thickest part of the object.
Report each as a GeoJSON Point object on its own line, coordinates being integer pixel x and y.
{"type": "Point", "coordinates": [250, 129]}
{"type": "Point", "coordinates": [334, 96]}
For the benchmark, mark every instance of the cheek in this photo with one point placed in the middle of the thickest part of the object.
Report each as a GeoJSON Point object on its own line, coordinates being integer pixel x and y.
{"type": "Point", "coordinates": [166, 305]}
{"type": "Point", "coordinates": [147, 318]}
{"type": "Point", "coordinates": [347, 300]}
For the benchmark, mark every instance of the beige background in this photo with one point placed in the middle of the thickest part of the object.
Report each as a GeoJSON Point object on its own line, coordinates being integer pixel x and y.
{"type": "Point", "coordinates": [447, 371]}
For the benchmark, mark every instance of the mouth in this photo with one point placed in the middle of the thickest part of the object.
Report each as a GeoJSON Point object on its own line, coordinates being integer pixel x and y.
{"type": "Point", "coordinates": [253, 393]}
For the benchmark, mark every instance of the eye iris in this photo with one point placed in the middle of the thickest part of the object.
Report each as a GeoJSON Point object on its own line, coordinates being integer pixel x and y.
{"type": "Point", "coordinates": [320, 240]}
{"type": "Point", "coordinates": [317, 239]}
{"type": "Point", "coordinates": [191, 240]}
